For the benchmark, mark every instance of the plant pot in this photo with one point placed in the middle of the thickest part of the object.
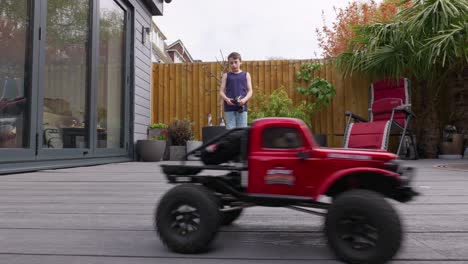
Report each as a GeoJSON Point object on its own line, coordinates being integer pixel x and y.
{"type": "Point", "coordinates": [210, 132]}
{"type": "Point", "coordinates": [191, 145]}
{"type": "Point", "coordinates": [154, 132]}
{"type": "Point", "coordinates": [150, 150]}
{"type": "Point", "coordinates": [453, 147]}
{"type": "Point", "coordinates": [177, 152]}
{"type": "Point", "coordinates": [321, 139]}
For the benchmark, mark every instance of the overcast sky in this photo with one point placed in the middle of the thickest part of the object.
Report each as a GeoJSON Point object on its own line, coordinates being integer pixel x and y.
{"type": "Point", "coordinates": [258, 29]}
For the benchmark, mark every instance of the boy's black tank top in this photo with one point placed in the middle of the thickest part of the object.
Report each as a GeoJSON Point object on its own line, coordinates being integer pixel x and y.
{"type": "Point", "coordinates": [236, 85]}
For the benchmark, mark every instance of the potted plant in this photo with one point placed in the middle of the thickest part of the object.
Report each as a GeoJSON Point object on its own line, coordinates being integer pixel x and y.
{"type": "Point", "coordinates": [180, 131]}
{"type": "Point", "coordinates": [193, 144]}
{"type": "Point", "coordinates": [319, 91]}
{"type": "Point", "coordinates": [155, 129]}
{"type": "Point", "coordinates": [152, 149]}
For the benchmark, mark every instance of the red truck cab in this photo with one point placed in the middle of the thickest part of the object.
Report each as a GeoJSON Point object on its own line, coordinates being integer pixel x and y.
{"type": "Point", "coordinates": [284, 159]}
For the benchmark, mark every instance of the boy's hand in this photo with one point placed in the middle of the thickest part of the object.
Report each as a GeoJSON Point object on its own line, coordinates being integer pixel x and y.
{"type": "Point", "coordinates": [228, 101]}
{"type": "Point", "coordinates": [242, 102]}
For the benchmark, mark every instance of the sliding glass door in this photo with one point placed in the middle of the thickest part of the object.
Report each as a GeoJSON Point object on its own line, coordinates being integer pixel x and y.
{"type": "Point", "coordinates": [112, 106]}
{"type": "Point", "coordinates": [64, 79]}
{"type": "Point", "coordinates": [17, 24]}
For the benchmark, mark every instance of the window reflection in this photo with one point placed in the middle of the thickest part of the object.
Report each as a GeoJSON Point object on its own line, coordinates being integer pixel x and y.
{"type": "Point", "coordinates": [111, 75]}
{"type": "Point", "coordinates": [282, 138]}
{"type": "Point", "coordinates": [66, 74]}
{"type": "Point", "coordinates": [14, 54]}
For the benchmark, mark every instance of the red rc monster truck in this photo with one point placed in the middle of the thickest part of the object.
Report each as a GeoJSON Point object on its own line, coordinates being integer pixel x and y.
{"type": "Point", "coordinates": [283, 166]}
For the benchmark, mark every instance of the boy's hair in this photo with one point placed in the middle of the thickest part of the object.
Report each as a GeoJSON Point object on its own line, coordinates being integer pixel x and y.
{"type": "Point", "coordinates": [234, 55]}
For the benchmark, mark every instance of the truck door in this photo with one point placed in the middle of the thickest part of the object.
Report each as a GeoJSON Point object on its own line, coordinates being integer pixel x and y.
{"type": "Point", "coordinates": [276, 167]}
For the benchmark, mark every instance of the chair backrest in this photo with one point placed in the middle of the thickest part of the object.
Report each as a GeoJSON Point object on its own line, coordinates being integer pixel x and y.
{"type": "Point", "coordinates": [387, 94]}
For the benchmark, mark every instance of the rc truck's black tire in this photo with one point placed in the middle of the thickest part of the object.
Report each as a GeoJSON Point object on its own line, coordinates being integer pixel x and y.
{"type": "Point", "coordinates": [229, 217]}
{"type": "Point", "coordinates": [168, 218]}
{"type": "Point", "coordinates": [228, 148]}
{"type": "Point", "coordinates": [362, 211]}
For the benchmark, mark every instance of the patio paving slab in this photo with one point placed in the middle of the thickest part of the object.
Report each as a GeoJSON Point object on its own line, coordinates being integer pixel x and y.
{"type": "Point", "coordinates": [103, 214]}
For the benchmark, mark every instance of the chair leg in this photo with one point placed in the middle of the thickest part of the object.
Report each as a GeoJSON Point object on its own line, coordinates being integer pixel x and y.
{"type": "Point", "coordinates": [415, 148]}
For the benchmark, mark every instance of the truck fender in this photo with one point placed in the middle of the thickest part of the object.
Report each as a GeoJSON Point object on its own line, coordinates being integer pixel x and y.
{"type": "Point", "coordinates": [342, 173]}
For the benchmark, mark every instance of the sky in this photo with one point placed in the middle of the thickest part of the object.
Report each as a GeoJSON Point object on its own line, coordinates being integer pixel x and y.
{"type": "Point", "coordinates": [257, 29]}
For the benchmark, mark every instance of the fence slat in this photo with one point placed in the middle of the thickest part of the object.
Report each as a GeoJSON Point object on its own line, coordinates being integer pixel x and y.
{"type": "Point", "coordinates": [201, 101]}
{"type": "Point", "coordinates": [167, 97]}
{"type": "Point", "coordinates": [207, 93]}
{"type": "Point", "coordinates": [213, 93]}
{"type": "Point", "coordinates": [196, 102]}
{"type": "Point", "coordinates": [183, 94]}
{"type": "Point", "coordinates": [189, 87]}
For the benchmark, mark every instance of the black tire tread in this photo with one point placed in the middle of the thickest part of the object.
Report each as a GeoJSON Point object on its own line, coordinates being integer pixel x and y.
{"type": "Point", "coordinates": [382, 211]}
{"type": "Point", "coordinates": [206, 201]}
{"type": "Point", "coordinates": [229, 217]}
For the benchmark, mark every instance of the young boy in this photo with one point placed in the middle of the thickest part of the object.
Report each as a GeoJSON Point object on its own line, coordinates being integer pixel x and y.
{"type": "Point", "coordinates": [236, 90]}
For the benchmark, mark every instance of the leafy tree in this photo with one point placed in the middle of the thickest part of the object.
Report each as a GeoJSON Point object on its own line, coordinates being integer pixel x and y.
{"type": "Point", "coordinates": [426, 42]}
{"type": "Point", "coordinates": [14, 24]}
{"type": "Point", "coordinates": [335, 39]}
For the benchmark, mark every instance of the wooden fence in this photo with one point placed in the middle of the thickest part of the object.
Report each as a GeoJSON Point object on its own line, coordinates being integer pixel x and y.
{"type": "Point", "coordinates": [190, 90]}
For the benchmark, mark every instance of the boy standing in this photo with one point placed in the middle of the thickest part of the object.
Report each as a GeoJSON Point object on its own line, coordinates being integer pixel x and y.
{"type": "Point", "coordinates": [236, 90]}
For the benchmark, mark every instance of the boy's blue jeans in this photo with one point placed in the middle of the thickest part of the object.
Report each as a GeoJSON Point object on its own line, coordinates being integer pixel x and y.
{"type": "Point", "coordinates": [235, 119]}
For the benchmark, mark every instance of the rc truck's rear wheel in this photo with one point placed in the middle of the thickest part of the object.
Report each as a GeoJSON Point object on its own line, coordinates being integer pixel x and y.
{"type": "Point", "coordinates": [229, 217]}
{"type": "Point", "coordinates": [187, 218]}
{"type": "Point", "coordinates": [362, 227]}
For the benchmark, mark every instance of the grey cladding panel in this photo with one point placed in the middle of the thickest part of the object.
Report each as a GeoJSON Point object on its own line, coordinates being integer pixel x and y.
{"type": "Point", "coordinates": [142, 101]}
{"type": "Point", "coordinates": [143, 93]}
{"type": "Point", "coordinates": [144, 75]}
{"type": "Point", "coordinates": [143, 71]}
{"type": "Point", "coordinates": [142, 110]}
{"type": "Point", "coordinates": [141, 129]}
{"type": "Point", "coordinates": [139, 119]}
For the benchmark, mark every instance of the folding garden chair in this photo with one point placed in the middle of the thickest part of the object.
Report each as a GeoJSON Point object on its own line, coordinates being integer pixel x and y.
{"type": "Point", "coordinates": [389, 114]}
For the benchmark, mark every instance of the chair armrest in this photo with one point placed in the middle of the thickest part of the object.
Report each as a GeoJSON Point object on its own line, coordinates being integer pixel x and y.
{"type": "Point", "coordinates": [355, 117]}
{"type": "Point", "coordinates": [405, 109]}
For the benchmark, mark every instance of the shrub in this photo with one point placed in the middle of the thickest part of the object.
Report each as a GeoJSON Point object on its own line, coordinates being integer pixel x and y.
{"type": "Point", "coordinates": [161, 136]}
{"type": "Point", "coordinates": [278, 104]}
{"type": "Point", "coordinates": [319, 89]}
{"type": "Point", "coordinates": [157, 125]}
{"type": "Point", "coordinates": [180, 131]}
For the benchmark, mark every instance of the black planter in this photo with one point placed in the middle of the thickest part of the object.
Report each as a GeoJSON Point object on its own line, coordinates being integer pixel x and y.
{"type": "Point", "coordinates": [321, 139]}
{"type": "Point", "coordinates": [210, 132]}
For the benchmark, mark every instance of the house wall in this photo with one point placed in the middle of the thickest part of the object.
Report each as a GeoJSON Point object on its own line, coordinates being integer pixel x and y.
{"type": "Point", "coordinates": [186, 57]}
{"type": "Point", "coordinates": [178, 48]}
{"type": "Point", "coordinates": [142, 70]}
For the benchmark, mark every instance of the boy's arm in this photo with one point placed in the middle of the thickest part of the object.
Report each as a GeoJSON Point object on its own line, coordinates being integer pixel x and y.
{"type": "Point", "coordinates": [249, 90]}
{"type": "Point", "coordinates": [222, 90]}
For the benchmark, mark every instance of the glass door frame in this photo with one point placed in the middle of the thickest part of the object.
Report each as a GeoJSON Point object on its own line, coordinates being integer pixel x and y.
{"type": "Point", "coordinates": [126, 81]}
{"type": "Point", "coordinates": [31, 91]}
{"type": "Point", "coordinates": [91, 93]}
{"type": "Point", "coordinates": [63, 153]}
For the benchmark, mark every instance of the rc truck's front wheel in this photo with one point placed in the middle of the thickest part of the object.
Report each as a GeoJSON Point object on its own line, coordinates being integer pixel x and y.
{"type": "Point", "coordinates": [229, 217]}
{"type": "Point", "coordinates": [187, 218]}
{"type": "Point", "coordinates": [362, 227]}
